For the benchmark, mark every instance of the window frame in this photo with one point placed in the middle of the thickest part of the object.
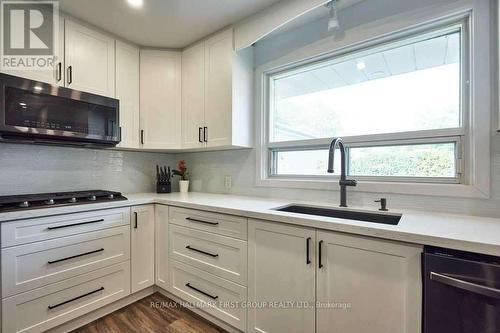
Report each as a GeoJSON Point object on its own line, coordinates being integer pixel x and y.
{"type": "Point", "coordinates": [471, 164]}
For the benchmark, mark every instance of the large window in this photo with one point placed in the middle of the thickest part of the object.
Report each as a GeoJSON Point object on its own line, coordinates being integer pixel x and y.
{"type": "Point", "coordinates": [399, 106]}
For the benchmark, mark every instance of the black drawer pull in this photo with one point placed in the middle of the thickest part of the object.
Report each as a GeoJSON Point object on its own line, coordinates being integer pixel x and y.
{"type": "Point", "coordinates": [215, 255]}
{"type": "Point", "coordinates": [76, 298]}
{"type": "Point", "coordinates": [76, 256]}
{"type": "Point", "coordinates": [201, 221]}
{"type": "Point", "coordinates": [205, 134]}
{"type": "Point", "coordinates": [201, 292]}
{"type": "Point", "coordinates": [320, 264]}
{"type": "Point", "coordinates": [135, 220]}
{"type": "Point", "coordinates": [74, 224]}
{"type": "Point", "coordinates": [59, 72]}
{"type": "Point", "coordinates": [70, 75]}
{"type": "Point", "coordinates": [199, 134]}
{"type": "Point", "coordinates": [308, 251]}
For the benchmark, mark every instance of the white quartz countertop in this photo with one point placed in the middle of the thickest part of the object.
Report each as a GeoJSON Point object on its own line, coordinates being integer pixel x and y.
{"type": "Point", "coordinates": [462, 232]}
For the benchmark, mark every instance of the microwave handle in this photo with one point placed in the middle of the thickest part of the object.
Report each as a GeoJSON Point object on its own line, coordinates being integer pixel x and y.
{"type": "Point", "coordinates": [464, 285]}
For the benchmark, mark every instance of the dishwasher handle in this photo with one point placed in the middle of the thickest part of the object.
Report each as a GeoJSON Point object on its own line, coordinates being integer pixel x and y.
{"type": "Point", "coordinates": [464, 285]}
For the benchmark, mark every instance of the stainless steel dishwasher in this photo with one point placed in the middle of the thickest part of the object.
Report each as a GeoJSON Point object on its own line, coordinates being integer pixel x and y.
{"type": "Point", "coordinates": [461, 292]}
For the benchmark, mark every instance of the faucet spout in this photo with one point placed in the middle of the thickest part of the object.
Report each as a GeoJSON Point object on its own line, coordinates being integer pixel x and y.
{"type": "Point", "coordinates": [343, 182]}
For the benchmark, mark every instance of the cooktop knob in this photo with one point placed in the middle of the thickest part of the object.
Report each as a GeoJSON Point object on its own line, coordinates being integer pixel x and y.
{"type": "Point", "coordinates": [24, 204]}
{"type": "Point", "coordinates": [72, 200]}
{"type": "Point", "coordinates": [92, 198]}
{"type": "Point", "coordinates": [111, 196]}
{"type": "Point", "coordinates": [49, 202]}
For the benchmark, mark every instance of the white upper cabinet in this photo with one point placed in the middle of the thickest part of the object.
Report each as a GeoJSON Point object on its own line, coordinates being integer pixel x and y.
{"type": "Point", "coordinates": [127, 91]}
{"type": "Point", "coordinates": [90, 60]}
{"type": "Point", "coordinates": [142, 247]}
{"type": "Point", "coordinates": [193, 96]}
{"type": "Point", "coordinates": [160, 99]}
{"type": "Point", "coordinates": [219, 54]}
{"type": "Point", "coordinates": [218, 84]}
{"type": "Point", "coordinates": [380, 281]}
{"type": "Point", "coordinates": [54, 75]}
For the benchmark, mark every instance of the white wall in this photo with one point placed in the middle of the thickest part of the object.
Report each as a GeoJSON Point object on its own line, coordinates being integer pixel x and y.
{"type": "Point", "coordinates": [209, 169]}
{"type": "Point", "coordinates": [39, 169]}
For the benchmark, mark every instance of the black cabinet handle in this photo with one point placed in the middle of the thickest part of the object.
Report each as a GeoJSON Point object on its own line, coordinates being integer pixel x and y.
{"type": "Point", "coordinates": [199, 134]}
{"type": "Point", "coordinates": [70, 74]}
{"type": "Point", "coordinates": [74, 224]}
{"type": "Point", "coordinates": [201, 221]}
{"type": "Point", "coordinates": [76, 256]}
{"type": "Point", "coordinates": [59, 72]}
{"type": "Point", "coordinates": [135, 220]}
{"type": "Point", "coordinates": [201, 292]}
{"type": "Point", "coordinates": [76, 298]}
{"type": "Point", "coordinates": [205, 134]}
{"type": "Point", "coordinates": [142, 137]}
{"type": "Point", "coordinates": [320, 264]}
{"type": "Point", "coordinates": [308, 251]}
{"type": "Point", "coordinates": [215, 255]}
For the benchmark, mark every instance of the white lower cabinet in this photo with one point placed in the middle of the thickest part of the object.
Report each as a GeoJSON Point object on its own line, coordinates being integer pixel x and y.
{"type": "Point", "coordinates": [41, 309]}
{"type": "Point", "coordinates": [218, 297]}
{"type": "Point", "coordinates": [161, 246]}
{"type": "Point", "coordinates": [367, 285]}
{"type": "Point", "coordinates": [256, 276]}
{"type": "Point", "coordinates": [142, 247]}
{"type": "Point", "coordinates": [281, 269]}
{"type": "Point", "coordinates": [30, 266]}
{"type": "Point", "coordinates": [222, 256]}
{"type": "Point", "coordinates": [351, 283]}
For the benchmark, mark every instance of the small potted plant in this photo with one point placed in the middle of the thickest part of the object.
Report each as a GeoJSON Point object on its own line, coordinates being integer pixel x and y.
{"type": "Point", "coordinates": [183, 173]}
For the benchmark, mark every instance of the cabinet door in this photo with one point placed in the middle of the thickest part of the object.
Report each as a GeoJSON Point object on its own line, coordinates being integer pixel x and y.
{"type": "Point", "coordinates": [280, 270]}
{"type": "Point", "coordinates": [219, 54]}
{"type": "Point", "coordinates": [90, 60]}
{"type": "Point", "coordinates": [127, 91]}
{"type": "Point", "coordinates": [193, 96]}
{"type": "Point", "coordinates": [161, 99]}
{"type": "Point", "coordinates": [54, 75]}
{"type": "Point", "coordinates": [161, 240]}
{"type": "Point", "coordinates": [376, 285]}
{"type": "Point", "coordinates": [143, 248]}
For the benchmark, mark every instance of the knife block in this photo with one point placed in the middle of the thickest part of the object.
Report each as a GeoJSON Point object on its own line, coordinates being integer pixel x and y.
{"type": "Point", "coordinates": [163, 187]}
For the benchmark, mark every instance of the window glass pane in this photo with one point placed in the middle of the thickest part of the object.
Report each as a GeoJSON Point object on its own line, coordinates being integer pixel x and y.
{"type": "Point", "coordinates": [401, 88]}
{"type": "Point", "coordinates": [426, 160]}
{"type": "Point", "coordinates": [304, 162]}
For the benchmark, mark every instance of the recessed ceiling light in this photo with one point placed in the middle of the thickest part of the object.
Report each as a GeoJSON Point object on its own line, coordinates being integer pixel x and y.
{"type": "Point", "coordinates": [135, 3]}
{"type": "Point", "coordinates": [361, 65]}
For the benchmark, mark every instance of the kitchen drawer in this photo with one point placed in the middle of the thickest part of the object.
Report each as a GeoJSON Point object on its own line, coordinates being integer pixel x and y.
{"type": "Point", "coordinates": [222, 256]}
{"type": "Point", "coordinates": [220, 298]}
{"type": "Point", "coordinates": [55, 304]}
{"type": "Point", "coordinates": [227, 225]}
{"type": "Point", "coordinates": [30, 266]}
{"type": "Point", "coordinates": [39, 229]}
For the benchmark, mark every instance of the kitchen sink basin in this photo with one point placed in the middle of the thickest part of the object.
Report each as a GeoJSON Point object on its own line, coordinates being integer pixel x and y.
{"type": "Point", "coordinates": [383, 218]}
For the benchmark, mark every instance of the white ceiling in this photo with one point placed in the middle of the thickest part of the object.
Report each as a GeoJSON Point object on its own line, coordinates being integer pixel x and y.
{"type": "Point", "coordinates": [163, 23]}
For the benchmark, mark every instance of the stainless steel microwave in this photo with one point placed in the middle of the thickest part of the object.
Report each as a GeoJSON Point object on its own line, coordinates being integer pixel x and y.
{"type": "Point", "coordinates": [37, 112]}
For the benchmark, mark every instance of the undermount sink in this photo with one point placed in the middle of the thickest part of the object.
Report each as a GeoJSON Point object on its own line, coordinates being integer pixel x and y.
{"type": "Point", "coordinates": [383, 218]}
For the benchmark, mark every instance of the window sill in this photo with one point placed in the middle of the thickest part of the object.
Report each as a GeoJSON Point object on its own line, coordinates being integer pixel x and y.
{"type": "Point", "coordinates": [427, 189]}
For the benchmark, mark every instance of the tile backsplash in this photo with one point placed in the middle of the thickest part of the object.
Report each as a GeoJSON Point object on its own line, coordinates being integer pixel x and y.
{"type": "Point", "coordinates": [37, 169]}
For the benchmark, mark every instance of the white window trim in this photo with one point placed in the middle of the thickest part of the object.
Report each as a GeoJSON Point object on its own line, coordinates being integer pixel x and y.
{"type": "Point", "coordinates": [477, 146]}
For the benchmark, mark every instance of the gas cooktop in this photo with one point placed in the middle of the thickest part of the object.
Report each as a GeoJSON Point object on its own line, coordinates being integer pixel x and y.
{"type": "Point", "coordinates": [10, 203]}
